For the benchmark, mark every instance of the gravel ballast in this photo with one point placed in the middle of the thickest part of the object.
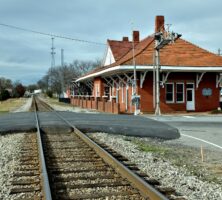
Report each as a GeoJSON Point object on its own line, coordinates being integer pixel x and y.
{"type": "Point", "coordinates": [9, 147]}
{"type": "Point", "coordinates": [170, 175]}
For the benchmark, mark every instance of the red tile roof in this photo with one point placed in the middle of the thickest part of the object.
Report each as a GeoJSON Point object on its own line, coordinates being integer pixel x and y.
{"type": "Point", "coordinates": [119, 48]}
{"type": "Point", "coordinates": [181, 53]}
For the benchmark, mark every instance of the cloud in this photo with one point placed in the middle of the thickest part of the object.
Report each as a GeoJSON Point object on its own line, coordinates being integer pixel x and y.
{"type": "Point", "coordinates": [199, 21]}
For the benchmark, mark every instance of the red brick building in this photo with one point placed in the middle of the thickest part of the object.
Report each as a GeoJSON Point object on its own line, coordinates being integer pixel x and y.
{"type": "Point", "coordinates": [190, 77]}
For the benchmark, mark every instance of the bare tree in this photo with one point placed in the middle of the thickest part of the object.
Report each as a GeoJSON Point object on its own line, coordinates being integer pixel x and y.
{"type": "Point", "coordinates": [5, 83]}
{"type": "Point", "coordinates": [59, 78]}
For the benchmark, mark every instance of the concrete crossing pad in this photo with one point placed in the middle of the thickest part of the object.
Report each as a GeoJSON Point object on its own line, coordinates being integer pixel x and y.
{"type": "Point", "coordinates": [116, 124]}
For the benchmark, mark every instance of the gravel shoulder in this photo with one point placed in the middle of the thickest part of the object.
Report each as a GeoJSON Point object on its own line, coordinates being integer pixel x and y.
{"type": "Point", "coordinates": [25, 107]}
{"type": "Point", "coordinates": [172, 164]}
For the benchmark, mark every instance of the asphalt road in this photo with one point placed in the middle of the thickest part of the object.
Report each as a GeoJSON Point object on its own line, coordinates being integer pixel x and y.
{"type": "Point", "coordinates": [196, 130]}
{"type": "Point", "coordinates": [116, 124]}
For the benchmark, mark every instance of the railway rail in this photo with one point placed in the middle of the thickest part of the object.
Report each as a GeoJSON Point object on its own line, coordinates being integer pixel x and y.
{"type": "Point", "coordinates": [75, 167]}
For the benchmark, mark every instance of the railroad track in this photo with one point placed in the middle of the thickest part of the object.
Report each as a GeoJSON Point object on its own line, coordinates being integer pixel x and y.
{"type": "Point", "coordinates": [25, 182]}
{"type": "Point", "coordinates": [75, 167]}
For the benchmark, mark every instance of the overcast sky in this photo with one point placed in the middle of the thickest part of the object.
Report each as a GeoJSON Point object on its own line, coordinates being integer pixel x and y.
{"type": "Point", "coordinates": [26, 56]}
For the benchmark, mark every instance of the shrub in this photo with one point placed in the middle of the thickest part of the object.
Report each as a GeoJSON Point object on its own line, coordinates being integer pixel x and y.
{"type": "Point", "coordinates": [4, 95]}
{"type": "Point", "coordinates": [49, 93]}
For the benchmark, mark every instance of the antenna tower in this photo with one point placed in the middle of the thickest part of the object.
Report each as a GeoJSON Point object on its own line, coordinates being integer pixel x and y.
{"type": "Point", "coordinates": [62, 57]}
{"type": "Point", "coordinates": [53, 54]}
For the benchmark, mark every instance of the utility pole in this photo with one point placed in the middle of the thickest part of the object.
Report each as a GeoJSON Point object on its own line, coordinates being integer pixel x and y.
{"type": "Point", "coordinates": [219, 52]}
{"type": "Point", "coordinates": [157, 59]}
{"type": "Point", "coordinates": [134, 76]}
{"type": "Point", "coordinates": [161, 40]}
{"type": "Point", "coordinates": [52, 62]}
{"type": "Point", "coordinates": [61, 75]}
{"type": "Point", "coordinates": [135, 98]}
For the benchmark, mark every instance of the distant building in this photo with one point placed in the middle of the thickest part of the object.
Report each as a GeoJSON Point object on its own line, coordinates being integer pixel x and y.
{"type": "Point", "coordinates": [189, 77]}
{"type": "Point", "coordinates": [39, 91]}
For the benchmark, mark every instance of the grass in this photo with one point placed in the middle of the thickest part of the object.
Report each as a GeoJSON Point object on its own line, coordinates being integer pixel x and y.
{"type": "Point", "coordinates": [10, 105]}
{"type": "Point", "coordinates": [56, 102]}
{"type": "Point", "coordinates": [216, 111]}
{"type": "Point", "coordinates": [150, 148]}
{"type": "Point", "coordinates": [182, 157]}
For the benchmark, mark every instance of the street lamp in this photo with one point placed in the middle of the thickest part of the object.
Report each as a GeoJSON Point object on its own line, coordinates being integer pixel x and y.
{"type": "Point", "coordinates": [161, 40]}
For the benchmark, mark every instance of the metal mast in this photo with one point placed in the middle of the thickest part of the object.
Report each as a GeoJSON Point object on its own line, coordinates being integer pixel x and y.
{"type": "Point", "coordinates": [62, 57]}
{"type": "Point", "coordinates": [53, 54]}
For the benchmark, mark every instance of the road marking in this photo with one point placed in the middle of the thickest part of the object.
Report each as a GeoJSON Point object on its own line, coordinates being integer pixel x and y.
{"type": "Point", "coordinates": [218, 146]}
{"type": "Point", "coordinates": [189, 117]}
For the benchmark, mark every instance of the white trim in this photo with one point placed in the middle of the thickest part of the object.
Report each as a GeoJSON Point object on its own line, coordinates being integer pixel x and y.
{"type": "Point", "coordinates": [170, 83]}
{"type": "Point", "coordinates": [142, 78]}
{"type": "Point", "coordinates": [164, 78]}
{"type": "Point", "coordinates": [112, 69]}
{"type": "Point", "coordinates": [199, 79]}
{"type": "Point", "coordinates": [147, 67]}
{"type": "Point", "coordinates": [177, 83]}
{"type": "Point", "coordinates": [108, 58]}
{"type": "Point", "coordinates": [191, 69]}
{"type": "Point", "coordinates": [218, 80]}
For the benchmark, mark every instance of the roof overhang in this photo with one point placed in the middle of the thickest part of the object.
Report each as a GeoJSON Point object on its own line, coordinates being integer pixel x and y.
{"type": "Point", "coordinates": [124, 68]}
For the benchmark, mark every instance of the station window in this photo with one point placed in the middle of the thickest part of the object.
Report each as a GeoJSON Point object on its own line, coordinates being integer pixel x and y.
{"type": "Point", "coordinates": [169, 92]}
{"type": "Point", "coordinates": [180, 92]}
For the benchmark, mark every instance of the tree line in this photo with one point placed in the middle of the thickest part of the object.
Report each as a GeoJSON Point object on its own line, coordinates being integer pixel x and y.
{"type": "Point", "coordinates": [9, 89]}
{"type": "Point", "coordinates": [56, 80]}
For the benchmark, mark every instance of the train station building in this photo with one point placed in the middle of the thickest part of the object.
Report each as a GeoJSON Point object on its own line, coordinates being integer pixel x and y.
{"type": "Point", "coordinates": [190, 77]}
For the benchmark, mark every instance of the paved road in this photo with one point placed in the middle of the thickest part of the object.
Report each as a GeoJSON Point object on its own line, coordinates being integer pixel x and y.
{"type": "Point", "coordinates": [117, 124]}
{"type": "Point", "coordinates": [196, 130]}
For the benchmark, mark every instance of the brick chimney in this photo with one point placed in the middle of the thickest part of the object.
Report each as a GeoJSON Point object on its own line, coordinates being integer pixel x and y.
{"type": "Point", "coordinates": [136, 36]}
{"type": "Point", "coordinates": [125, 39]}
{"type": "Point", "coordinates": [159, 24]}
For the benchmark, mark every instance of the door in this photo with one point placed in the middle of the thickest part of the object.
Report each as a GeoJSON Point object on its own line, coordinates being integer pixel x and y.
{"type": "Point", "coordinates": [190, 97]}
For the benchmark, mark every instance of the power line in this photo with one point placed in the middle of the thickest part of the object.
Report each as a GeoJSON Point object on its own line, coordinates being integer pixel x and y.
{"type": "Point", "coordinates": [64, 37]}
{"type": "Point", "coordinates": [50, 34]}
{"type": "Point", "coordinates": [69, 38]}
